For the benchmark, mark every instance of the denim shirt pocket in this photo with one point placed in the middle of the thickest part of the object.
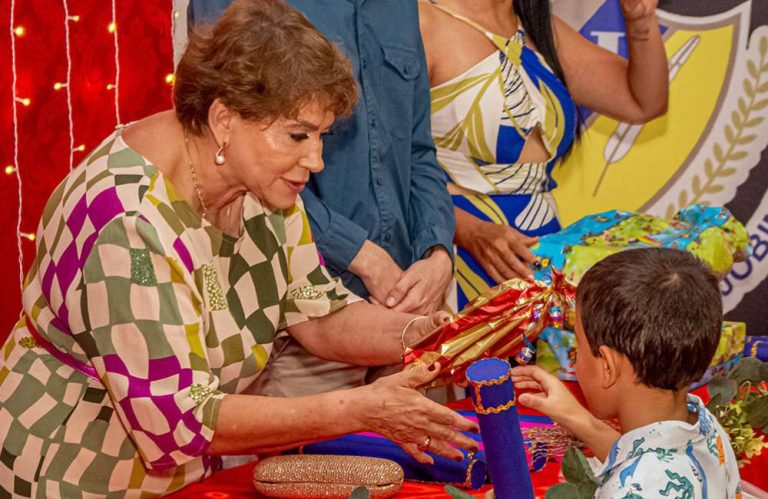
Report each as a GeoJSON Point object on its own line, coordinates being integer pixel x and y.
{"type": "Point", "coordinates": [401, 68]}
{"type": "Point", "coordinates": [404, 60]}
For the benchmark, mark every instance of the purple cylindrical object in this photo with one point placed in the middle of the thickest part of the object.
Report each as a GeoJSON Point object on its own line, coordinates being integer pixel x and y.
{"type": "Point", "coordinates": [494, 397]}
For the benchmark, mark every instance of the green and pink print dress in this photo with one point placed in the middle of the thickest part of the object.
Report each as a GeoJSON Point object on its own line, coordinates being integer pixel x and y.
{"type": "Point", "coordinates": [139, 317]}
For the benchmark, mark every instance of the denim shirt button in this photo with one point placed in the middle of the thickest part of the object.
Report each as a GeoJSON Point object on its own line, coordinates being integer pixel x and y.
{"type": "Point", "coordinates": [379, 181]}
{"type": "Point", "coordinates": [387, 237]}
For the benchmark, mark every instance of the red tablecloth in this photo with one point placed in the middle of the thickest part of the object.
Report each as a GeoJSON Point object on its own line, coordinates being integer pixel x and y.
{"type": "Point", "coordinates": [237, 482]}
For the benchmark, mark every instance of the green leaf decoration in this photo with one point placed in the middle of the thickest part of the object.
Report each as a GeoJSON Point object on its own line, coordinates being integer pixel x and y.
{"type": "Point", "coordinates": [563, 491]}
{"type": "Point", "coordinates": [744, 410]}
{"type": "Point", "coordinates": [577, 471]}
{"type": "Point", "coordinates": [714, 403]}
{"type": "Point", "coordinates": [571, 491]}
{"type": "Point", "coordinates": [360, 493]}
{"type": "Point", "coordinates": [456, 493]}
{"type": "Point", "coordinates": [749, 369]}
{"type": "Point", "coordinates": [725, 387]}
{"type": "Point", "coordinates": [757, 413]}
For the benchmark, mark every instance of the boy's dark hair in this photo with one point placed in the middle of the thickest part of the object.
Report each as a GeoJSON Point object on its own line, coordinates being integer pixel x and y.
{"type": "Point", "coordinates": [660, 307]}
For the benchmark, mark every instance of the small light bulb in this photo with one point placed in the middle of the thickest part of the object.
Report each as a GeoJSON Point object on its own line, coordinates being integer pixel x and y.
{"type": "Point", "coordinates": [79, 148]}
{"type": "Point", "coordinates": [176, 13]}
{"type": "Point", "coordinates": [74, 18]}
{"type": "Point", "coordinates": [59, 85]}
{"type": "Point", "coordinates": [10, 170]}
{"type": "Point", "coordinates": [26, 101]}
{"type": "Point", "coordinates": [170, 78]}
{"type": "Point", "coordinates": [20, 31]}
{"type": "Point", "coordinates": [112, 27]}
{"type": "Point", "coordinates": [110, 86]}
{"type": "Point", "coordinates": [28, 235]}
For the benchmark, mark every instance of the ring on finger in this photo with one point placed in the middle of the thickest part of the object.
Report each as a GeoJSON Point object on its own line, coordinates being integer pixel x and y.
{"type": "Point", "coordinates": [423, 446]}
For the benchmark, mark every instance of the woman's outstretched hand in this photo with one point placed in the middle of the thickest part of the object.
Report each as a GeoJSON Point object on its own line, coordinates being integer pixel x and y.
{"type": "Point", "coordinates": [393, 408]}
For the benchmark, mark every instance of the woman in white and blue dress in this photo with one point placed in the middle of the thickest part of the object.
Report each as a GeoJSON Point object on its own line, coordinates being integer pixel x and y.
{"type": "Point", "coordinates": [505, 79]}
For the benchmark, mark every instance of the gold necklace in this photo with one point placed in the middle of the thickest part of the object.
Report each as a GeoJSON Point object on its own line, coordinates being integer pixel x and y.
{"type": "Point", "coordinates": [195, 184]}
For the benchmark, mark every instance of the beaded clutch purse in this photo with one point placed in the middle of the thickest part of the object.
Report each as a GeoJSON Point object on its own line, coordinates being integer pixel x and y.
{"type": "Point", "coordinates": [307, 476]}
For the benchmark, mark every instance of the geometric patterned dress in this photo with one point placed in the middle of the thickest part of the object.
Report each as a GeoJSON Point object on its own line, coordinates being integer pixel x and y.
{"type": "Point", "coordinates": [139, 316]}
{"type": "Point", "coordinates": [481, 120]}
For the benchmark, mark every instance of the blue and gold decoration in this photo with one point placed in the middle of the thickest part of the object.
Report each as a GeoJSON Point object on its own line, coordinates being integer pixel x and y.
{"type": "Point", "coordinates": [493, 395]}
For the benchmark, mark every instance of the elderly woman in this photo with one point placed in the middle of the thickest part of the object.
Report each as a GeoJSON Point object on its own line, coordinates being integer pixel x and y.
{"type": "Point", "coordinates": [166, 263]}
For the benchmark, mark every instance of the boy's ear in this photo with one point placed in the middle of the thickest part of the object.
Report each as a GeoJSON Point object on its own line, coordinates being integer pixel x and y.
{"type": "Point", "coordinates": [610, 366]}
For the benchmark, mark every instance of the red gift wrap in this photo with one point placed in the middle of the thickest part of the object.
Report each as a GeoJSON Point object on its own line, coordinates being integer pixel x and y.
{"type": "Point", "coordinates": [502, 322]}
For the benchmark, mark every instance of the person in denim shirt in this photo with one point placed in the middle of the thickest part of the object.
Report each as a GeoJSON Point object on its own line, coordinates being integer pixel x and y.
{"type": "Point", "coordinates": [380, 213]}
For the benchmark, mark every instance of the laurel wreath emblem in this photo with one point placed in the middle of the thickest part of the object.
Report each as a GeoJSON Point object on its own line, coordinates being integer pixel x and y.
{"type": "Point", "coordinates": [738, 133]}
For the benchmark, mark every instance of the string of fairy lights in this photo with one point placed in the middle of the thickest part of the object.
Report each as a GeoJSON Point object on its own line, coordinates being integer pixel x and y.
{"type": "Point", "coordinates": [14, 168]}
{"type": "Point", "coordinates": [58, 86]}
{"type": "Point", "coordinates": [20, 101]}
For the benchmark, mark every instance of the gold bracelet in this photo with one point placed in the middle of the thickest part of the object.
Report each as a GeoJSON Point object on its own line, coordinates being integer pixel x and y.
{"type": "Point", "coordinates": [405, 328]}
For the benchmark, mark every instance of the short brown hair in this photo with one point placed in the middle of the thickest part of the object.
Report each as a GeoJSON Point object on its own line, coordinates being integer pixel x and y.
{"type": "Point", "coordinates": [264, 60]}
{"type": "Point", "coordinates": [660, 307]}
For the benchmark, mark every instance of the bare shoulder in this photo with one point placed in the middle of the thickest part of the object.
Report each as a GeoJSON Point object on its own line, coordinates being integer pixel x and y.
{"type": "Point", "coordinates": [426, 17]}
{"type": "Point", "coordinates": [563, 32]}
{"type": "Point", "coordinates": [430, 33]}
{"type": "Point", "coordinates": [425, 9]}
{"type": "Point", "coordinates": [153, 137]}
{"type": "Point", "coordinates": [435, 25]}
{"type": "Point", "coordinates": [574, 48]}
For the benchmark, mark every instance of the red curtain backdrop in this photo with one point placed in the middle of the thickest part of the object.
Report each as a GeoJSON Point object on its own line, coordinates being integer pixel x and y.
{"type": "Point", "coordinates": [146, 58]}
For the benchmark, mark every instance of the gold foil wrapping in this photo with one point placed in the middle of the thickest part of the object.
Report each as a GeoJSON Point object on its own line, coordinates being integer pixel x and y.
{"type": "Point", "coordinates": [319, 476]}
{"type": "Point", "coordinates": [496, 324]}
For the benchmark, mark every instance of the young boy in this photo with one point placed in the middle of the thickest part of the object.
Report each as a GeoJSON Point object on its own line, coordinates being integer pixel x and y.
{"type": "Point", "coordinates": [647, 325]}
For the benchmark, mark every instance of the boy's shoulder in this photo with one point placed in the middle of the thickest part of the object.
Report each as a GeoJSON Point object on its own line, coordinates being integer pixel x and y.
{"type": "Point", "coordinates": [672, 459]}
{"type": "Point", "coordinates": [658, 473]}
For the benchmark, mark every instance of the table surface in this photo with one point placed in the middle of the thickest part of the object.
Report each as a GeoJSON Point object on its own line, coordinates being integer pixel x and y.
{"type": "Point", "coordinates": [237, 482]}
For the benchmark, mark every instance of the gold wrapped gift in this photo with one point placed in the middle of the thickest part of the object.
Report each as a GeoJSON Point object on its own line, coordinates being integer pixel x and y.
{"type": "Point", "coordinates": [502, 322]}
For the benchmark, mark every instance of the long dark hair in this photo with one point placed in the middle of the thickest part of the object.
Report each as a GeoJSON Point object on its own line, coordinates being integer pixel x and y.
{"type": "Point", "coordinates": [536, 17]}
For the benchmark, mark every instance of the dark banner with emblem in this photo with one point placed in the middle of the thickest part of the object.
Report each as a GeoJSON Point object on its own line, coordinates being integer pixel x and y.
{"type": "Point", "coordinates": [709, 149]}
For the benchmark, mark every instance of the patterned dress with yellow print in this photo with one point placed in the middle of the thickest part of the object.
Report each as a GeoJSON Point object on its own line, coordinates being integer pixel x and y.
{"type": "Point", "coordinates": [139, 316]}
{"type": "Point", "coordinates": [481, 120]}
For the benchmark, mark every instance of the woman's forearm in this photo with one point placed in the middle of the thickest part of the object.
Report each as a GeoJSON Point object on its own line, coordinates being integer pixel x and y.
{"type": "Point", "coordinates": [248, 424]}
{"type": "Point", "coordinates": [390, 407]}
{"type": "Point", "coordinates": [647, 71]}
{"type": "Point", "coordinates": [360, 333]}
{"type": "Point", "coordinates": [465, 222]}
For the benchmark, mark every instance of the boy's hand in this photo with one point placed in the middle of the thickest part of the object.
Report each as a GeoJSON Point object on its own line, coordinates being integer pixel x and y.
{"type": "Point", "coordinates": [550, 396]}
{"type": "Point", "coordinates": [555, 400]}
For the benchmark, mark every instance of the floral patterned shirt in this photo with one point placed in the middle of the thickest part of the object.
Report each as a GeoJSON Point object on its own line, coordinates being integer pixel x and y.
{"type": "Point", "coordinates": [671, 459]}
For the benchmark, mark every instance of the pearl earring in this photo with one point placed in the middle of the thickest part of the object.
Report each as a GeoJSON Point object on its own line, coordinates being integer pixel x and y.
{"type": "Point", "coordinates": [219, 158]}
